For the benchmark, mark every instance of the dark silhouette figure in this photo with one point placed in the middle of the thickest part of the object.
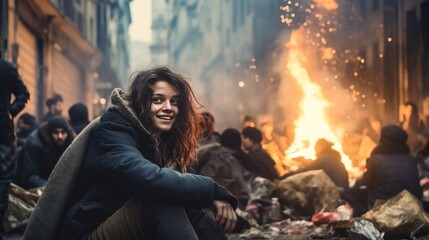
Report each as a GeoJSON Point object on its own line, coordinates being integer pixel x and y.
{"type": "Point", "coordinates": [78, 117]}
{"type": "Point", "coordinates": [25, 125]}
{"type": "Point", "coordinates": [10, 84]}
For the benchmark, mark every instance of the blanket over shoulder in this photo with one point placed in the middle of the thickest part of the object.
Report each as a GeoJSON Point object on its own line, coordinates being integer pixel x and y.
{"type": "Point", "coordinates": [50, 209]}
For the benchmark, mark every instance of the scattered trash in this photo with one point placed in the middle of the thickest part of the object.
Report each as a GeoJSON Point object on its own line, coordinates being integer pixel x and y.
{"type": "Point", "coordinates": [363, 229]}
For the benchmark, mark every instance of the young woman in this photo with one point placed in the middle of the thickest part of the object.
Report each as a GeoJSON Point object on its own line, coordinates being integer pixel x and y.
{"type": "Point", "coordinates": [130, 184]}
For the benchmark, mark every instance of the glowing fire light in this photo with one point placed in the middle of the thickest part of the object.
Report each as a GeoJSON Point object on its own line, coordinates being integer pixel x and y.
{"type": "Point", "coordinates": [312, 123]}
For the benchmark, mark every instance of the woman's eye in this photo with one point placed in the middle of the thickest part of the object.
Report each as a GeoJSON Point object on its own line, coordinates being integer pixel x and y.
{"type": "Point", "coordinates": [156, 100]}
{"type": "Point", "coordinates": [174, 101]}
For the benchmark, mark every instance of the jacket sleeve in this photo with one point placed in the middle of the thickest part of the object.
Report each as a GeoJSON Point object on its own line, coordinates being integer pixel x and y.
{"type": "Point", "coordinates": [21, 94]}
{"type": "Point", "coordinates": [115, 156]}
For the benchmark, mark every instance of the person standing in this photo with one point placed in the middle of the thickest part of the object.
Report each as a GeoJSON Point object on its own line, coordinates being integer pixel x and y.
{"type": "Point", "coordinates": [122, 177]}
{"type": "Point", "coordinates": [10, 84]}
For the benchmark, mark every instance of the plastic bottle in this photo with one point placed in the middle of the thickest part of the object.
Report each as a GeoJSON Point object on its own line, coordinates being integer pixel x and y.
{"type": "Point", "coordinates": [275, 213]}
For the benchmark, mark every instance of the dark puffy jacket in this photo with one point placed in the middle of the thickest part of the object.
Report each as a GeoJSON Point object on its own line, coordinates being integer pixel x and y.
{"type": "Point", "coordinates": [117, 167]}
{"type": "Point", "coordinates": [260, 163]}
{"type": "Point", "coordinates": [10, 83]}
{"type": "Point", "coordinates": [37, 158]}
{"type": "Point", "coordinates": [388, 175]}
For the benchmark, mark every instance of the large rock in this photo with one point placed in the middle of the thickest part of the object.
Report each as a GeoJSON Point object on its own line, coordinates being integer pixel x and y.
{"type": "Point", "coordinates": [307, 193]}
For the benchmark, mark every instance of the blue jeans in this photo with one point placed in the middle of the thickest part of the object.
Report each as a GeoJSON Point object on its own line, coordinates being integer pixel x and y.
{"type": "Point", "coordinates": [7, 171]}
{"type": "Point", "coordinates": [139, 219]}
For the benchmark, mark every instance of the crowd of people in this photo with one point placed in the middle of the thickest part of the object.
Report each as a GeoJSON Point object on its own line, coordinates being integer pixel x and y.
{"type": "Point", "coordinates": [153, 166]}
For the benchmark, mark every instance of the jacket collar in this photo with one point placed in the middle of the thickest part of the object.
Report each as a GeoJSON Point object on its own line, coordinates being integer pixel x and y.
{"type": "Point", "coordinates": [119, 103]}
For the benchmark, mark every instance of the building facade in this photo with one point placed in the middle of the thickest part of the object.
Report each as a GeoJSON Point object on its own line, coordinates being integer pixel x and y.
{"type": "Point", "coordinates": [393, 37]}
{"type": "Point", "coordinates": [224, 47]}
{"type": "Point", "coordinates": [159, 48]}
{"type": "Point", "coordinates": [54, 44]}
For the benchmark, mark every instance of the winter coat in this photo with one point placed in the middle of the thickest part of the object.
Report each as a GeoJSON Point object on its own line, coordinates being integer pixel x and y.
{"type": "Point", "coordinates": [218, 162]}
{"type": "Point", "coordinates": [388, 175]}
{"type": "Point", "coordinates": [261, 163]}
{"type": "Point", "coordinates": [37, 158]}
{"type": "Point", "coordinates": [330, 162]}
{"type": "Point", "coordinates": [107, 165]}
{"type": "Point", "coordinates": [10, 83]}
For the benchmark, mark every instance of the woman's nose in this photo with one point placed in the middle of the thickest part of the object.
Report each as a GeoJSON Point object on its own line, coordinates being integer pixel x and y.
{"type": "Point", "coordinates": [167, 106]}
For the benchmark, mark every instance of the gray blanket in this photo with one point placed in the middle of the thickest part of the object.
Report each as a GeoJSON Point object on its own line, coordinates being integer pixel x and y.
{"type": "Point", "coordinates": [50, 209]}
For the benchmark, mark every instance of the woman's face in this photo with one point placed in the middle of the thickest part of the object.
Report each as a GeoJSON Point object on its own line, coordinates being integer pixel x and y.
{"type": "Point", "coordinates": [164, 105]}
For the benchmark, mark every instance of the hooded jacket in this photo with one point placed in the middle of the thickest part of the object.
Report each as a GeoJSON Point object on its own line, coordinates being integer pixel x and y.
{"type": "Point", "coordinates": [110, 164]}
{"type": "Point", "coordinates": [37, 158]}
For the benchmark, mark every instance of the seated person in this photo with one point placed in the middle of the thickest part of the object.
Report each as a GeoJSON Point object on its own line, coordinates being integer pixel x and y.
{"type": "Point", "coordinates": [218, 162]}
{"type": "Point", "coordinates": [261, 162]}
{"type": "Point", "coordinates": [25, 125]}
{"type": "Point", "coordinates": [41, 152]}
{"type": "Point", "coordinates": [328, 160]}
{"type": "Point", "coordinates": [391, 168]}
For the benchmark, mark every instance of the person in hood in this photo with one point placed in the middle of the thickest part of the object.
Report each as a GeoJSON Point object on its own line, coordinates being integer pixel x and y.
{"type": "Point", "coordinates": [391, 167]}
{"type": "Point", "coordinates": [41, 152]}
{"type": "Point", "coordinates": [78, 117]}
{"type": "Point", "coordinates": [130, 183]}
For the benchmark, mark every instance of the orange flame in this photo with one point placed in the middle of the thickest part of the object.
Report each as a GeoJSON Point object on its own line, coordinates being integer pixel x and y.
{"type": "Point", "coordinates": [312, 123]}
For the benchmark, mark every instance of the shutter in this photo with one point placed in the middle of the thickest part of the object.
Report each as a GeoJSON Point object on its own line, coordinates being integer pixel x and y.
{"type": "Point", "coordinates": [67, 81]}
{"type": "Point", "coordinates": [27, 64]}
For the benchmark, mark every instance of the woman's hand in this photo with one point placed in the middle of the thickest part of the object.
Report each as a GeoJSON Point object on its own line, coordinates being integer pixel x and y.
{"type": "Point", "coordinates": [226, 217]}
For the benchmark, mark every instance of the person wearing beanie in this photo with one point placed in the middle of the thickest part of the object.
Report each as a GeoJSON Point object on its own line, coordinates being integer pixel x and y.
{"type": "Point", "coordinates": [78, 114]}
{"type": "Point", "coordinates": [391, 168]}
{"type": "Point", "coordinates": [261, 162]}
{"type": "Point", "coordinates": [41, 152]}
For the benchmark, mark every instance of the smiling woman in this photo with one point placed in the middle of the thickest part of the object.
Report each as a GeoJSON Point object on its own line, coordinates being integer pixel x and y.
{"type": "Point", "coordinates": [164, 106]}
{"type": "Point", "coordinates": [130, 183]}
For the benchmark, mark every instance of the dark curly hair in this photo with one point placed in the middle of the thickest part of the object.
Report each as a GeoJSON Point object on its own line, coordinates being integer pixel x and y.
{"type": "Point", "coordinates": [177, 146]}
